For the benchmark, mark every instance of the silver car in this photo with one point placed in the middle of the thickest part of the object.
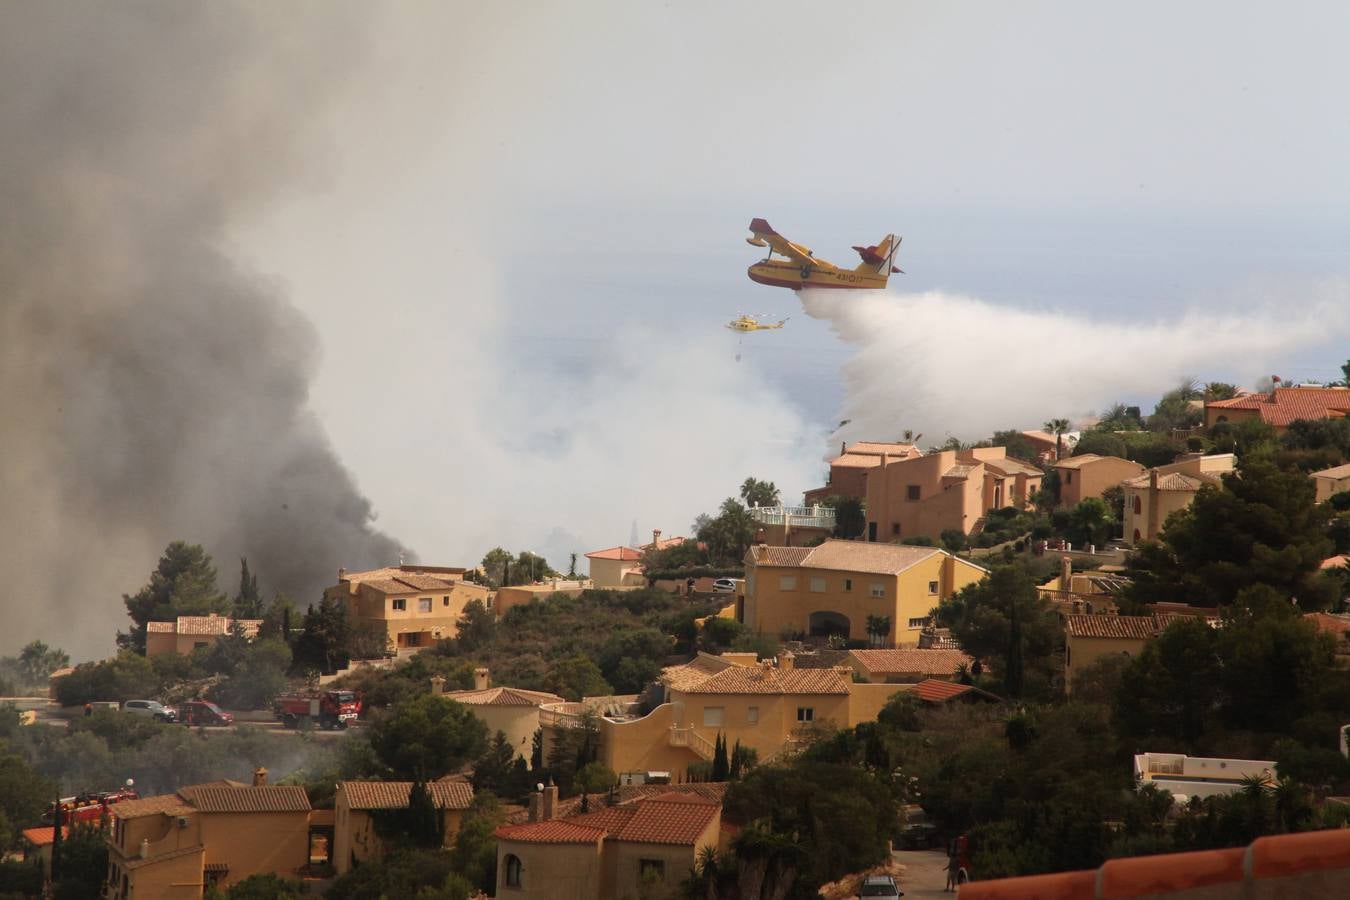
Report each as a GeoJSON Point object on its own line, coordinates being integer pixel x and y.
{"type": "Point", "coordinates": [880, 886]}
{"type": "Point", "coordinates": [152, 708]}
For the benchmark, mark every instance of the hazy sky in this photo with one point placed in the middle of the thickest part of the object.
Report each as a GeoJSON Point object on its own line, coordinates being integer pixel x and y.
{"type": "Point", "coordinates": [517, 232]}
{"type": "Point", "coordinates": [530, 231]}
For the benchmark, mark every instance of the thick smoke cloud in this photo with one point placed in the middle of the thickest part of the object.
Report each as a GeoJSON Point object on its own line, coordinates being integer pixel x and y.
{"type": "Point", "coordinates": [153, 389]}
{"type": "Point", "coordinates": [943, 364]}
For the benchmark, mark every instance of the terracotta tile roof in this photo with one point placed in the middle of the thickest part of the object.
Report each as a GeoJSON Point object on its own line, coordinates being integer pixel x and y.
{"type": "Point", "coordinates": [623, 554]}
{"type": "Point", "coordinates": [1077, 462]}
{"type": "Point", "coordinates": [932, 691]}
{"type": "Point", "coordinates": [876, 448]}
{"type": "Point", "coordinates": [769, 680]}
{"type": "Point", "coordinates": [669, 818]}
{"type": "Point", "coordinates": [503, 696]}
{"type": "Point", "coordinates": [924, 662]}
{"type": "Point", "coordinates": [389, 572]}
{"type": "Point", "coordinates": [394, 794]}
{"type": "Point", "coordinates": [1284, 405]}
{"type": "Point", "coordinates": [960, 470]}
{"type": "Point", "coordinates": [1336, 472]}
{"type": "Point", "coordinates": [696, 671]}
{"type": "Point", "coordinates": [1011, 466]}
{"type": "Point", "coordinates": [203, 625]}
{"type": "Point", "coordinates": [1334, 562]}
{"type": "Point", "coordinates": [846, 556]}
{"type": "Point", "coordinates": [1174, 481]}
{"type": "Point", "coordinates": [1104, 626]}
{"type": "Point", "coordinates": [763, 555]}
{"type": "Point", "coordinates": [41, 837]}
{"type": "Point", "coordinates": [160, 804]}
{"type": "Point", "coordinates": [426, 582]}
{"type": "Point", "coordinates": [856, 461]}
{"type": "Point", "coordinates": [270, 798]}
{"type": "Point", "coordinates": [557, 831]}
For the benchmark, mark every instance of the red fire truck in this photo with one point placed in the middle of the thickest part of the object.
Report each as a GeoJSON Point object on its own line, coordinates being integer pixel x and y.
{"type": "Point", "coordinates": [329, 709]}
{"type": "Point", "coordinates": [87, 806]}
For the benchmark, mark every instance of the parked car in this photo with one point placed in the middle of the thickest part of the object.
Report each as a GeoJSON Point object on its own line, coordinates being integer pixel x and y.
{"type": "Point", "coordinates": [152, 708]}
{"type": "Point", "coordinates": [203, 712]}
{"type": "Point", "coordinates": [725, 585]}
{"type": "Point", "coordinates": [880, 886]}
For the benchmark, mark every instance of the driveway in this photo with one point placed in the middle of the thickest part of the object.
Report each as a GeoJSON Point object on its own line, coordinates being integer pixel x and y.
{"type": "Point", "coordinates": [925, 873]}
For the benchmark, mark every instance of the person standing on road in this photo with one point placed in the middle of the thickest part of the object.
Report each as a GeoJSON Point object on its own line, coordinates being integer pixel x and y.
{"type": "Point", "coordinates": [953, 866]}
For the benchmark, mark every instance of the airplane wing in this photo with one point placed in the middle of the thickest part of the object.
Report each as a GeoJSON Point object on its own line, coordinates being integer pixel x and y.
{"type": "Point", "coordinates": [764, 235]}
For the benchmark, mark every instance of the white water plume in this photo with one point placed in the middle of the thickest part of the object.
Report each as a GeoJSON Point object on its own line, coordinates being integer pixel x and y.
{"type": "Point", "coordinates": [945, 364]}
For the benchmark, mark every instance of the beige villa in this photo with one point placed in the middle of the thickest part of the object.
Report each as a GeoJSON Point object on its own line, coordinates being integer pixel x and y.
{"type": "Point", "coordinates": [216, 834]}
{"type": "Point", "coordinates": [512, 711]}
{"type": "Point", "coordinates": [645, 848]}
{"type": "Point", "coordinates": [413, 606]}
{"type": "Point", "coordinates": [849, 470]}
{"type": "Point", "coordinates": [951, 489]}
{"type": "Point", "coordinates": [188, 633]}
{"type": "Point", "coordinates": [1153, 496]}
{"type": "Point", "coordinates": [771, 708]}
{"type": "Point", "coordinates": [1089, 475]}
{"type": "Point", "coordinates": [355, 840]}
{"type": "Point", "coordinates": [1330, 482]}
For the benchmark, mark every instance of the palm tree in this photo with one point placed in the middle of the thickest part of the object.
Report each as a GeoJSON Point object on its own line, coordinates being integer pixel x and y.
{"type": "Point", "coordinates": [1057, 427]}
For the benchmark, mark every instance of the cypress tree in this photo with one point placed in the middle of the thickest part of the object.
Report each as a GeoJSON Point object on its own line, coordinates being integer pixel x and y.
{"type": "Point", "coordinates": [424, 820]}
{"type": "Point", "coordinates": [720, 767]}
{"type": "Point", "coordinates": [56, 839]}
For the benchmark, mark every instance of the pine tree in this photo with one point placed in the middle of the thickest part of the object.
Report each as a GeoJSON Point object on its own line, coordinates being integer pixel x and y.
{"type": "Point", "coordinates": [737, 761]}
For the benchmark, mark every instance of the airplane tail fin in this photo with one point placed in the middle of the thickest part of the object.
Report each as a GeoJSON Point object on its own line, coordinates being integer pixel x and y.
{"type": "Point", "coordinates": [879, 258]}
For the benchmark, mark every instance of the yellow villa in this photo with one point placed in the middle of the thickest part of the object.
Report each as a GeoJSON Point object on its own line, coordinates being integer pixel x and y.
{"type": "Point", "coordinates": [177, 845]}
{"type": "Point", "coordinates": [1330, 482]}
{"type": "Point", "coordinates": [641, 849]}
{"type": "Point", "coordinates": [1089, 475]}
{"type": "Point", "coordinates": [355, 840]}
{"type": "Point", "coordinates": [834, 587]}
{"type": "Point", "coordinates": [512, 711]}
{"type": "Point", "coordinates": [414, 606]}
{"type": "Point", "coordinates": [766, 707]}
{"type": "Point", "coordinates": [1152, 497]}
{"type": "Point", "coordinates": [188, 633]}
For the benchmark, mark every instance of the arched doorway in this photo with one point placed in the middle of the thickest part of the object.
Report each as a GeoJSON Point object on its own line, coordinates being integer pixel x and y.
{"type": "Point", "coordinates": [824, 624]}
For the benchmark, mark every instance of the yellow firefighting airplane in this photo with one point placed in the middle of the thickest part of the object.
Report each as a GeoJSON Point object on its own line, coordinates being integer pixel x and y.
{"type": "Point", "coordinates": [802, 270]}
{"type": "Point", "coordinates": [750, 323]}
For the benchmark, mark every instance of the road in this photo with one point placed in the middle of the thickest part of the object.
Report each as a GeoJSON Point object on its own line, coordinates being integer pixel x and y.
{"type": "Point", "coordinates": [925, 873]}
{"type": "Point", "coordinates": [48, 717]}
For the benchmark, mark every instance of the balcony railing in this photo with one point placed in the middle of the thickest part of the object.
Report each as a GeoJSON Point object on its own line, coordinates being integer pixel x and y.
{"type": "Point", "coordinates": [561, 715]}
{"type": "Point", "coordinates": [688, 737]}
{"type": "Point", "coordinates": [801, 516]}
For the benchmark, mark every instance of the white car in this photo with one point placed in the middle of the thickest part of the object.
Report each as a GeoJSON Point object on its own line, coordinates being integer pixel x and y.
{"type": "Point", "coordinates": [725, 585]}
{"type": "Point", "coordinates": [152, 708]}
{"type": "Point", "coordinates": [880, 886]}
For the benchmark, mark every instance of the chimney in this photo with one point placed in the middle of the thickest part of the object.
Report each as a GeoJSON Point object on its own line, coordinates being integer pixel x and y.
{"type": "Point", "coordinates": [482, 678]}
{"type": "Point", "coordinates": [550, 802]}
{"type": "Point", "coordinates": [260, 777]}
{"type": "Point", "coordinates": [438, 684]}
{"type": "Point", "coordinates": [342, 573]}
{"type": "Point", "coordinates": [656, 538]}
{"type": "Point", "coordinates": [1065, 573]}
{"type": "Point", "coordinates": [536, 802]}
{"type": "Point", "coordinates": [765, 665]}
{"type": "Point", "coordinates": [1152, 532]}
{"type": "Point", "coordinates": [786, 660]}
{"type": "Point", "coordinates": [761, 553]}
{"type": "Point", "coordinates": [843, 448]}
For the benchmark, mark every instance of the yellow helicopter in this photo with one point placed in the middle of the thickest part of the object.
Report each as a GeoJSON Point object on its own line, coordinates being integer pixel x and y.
{"type": "Point", "coordinates": [746, 324]}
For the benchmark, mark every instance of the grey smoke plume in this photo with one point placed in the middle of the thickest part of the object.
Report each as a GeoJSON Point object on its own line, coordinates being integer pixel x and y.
{"type": "Point", "coordinates": [153, 389]}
